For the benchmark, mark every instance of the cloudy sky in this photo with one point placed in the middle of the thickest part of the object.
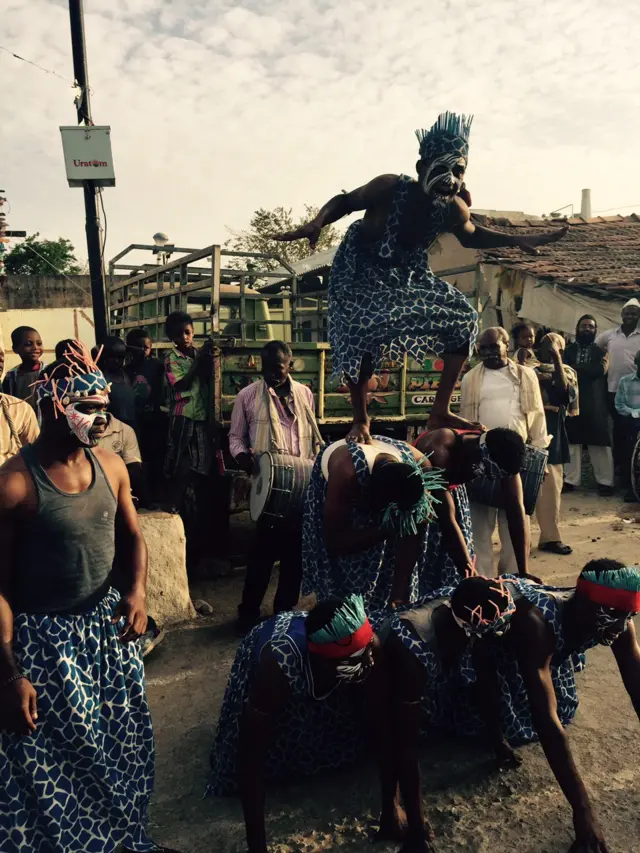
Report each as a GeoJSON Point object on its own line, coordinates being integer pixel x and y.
{"type": "Point", "coordinates": [218, 108]}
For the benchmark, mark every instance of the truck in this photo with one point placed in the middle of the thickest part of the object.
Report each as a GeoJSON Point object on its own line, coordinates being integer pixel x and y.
{"type": "Point", "coordinates": [239, 302]}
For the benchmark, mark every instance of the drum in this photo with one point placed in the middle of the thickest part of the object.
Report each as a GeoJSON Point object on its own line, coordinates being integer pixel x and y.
{"type": "Point", "coordinates": [489, 492]}
{"type": "Point", "coordinates": [279, 487]}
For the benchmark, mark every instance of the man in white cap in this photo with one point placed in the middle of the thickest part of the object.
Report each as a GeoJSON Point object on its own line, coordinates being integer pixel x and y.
{"type": "Point", "coordinates": [621, 344]}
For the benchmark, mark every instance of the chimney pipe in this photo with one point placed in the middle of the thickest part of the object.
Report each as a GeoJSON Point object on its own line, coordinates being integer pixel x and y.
{"type": "Point", "coordinates": [585, 206]}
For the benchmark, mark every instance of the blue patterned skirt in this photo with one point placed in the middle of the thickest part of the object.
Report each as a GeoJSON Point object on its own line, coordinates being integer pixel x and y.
{"type": "Point", "coordinates": [82, 782]}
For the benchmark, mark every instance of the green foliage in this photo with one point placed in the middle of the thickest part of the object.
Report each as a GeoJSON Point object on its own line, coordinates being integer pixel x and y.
{"type": "Point", "coordinates": [263, 224]}
{"type": "Point", "coordinates": [42, 257]}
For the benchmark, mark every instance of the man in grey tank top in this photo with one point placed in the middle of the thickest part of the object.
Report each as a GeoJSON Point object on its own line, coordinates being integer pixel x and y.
{"type": "Point", "coordinates": [76, 743]}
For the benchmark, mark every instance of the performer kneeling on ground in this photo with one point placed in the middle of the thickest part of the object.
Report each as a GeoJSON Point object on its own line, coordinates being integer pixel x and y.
{"type": "Point", "coordinates": [286, 711]}
{"type": "Point", "coordinates": [384, 300]}
{"type": "Point", "coordinates": [76, 743]}
{"type": "Point", "coordinates": [462, 456]}
{"type": "Point", "coordinates": [535, 637]}
{"type": "Point", "coordinates": [366, 522]}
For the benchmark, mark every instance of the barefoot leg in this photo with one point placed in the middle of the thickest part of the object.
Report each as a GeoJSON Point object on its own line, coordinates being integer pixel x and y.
{"type": "Point", "coordinates": [360, 430]}
{"type": "Point", "coordinates": [441, 414]}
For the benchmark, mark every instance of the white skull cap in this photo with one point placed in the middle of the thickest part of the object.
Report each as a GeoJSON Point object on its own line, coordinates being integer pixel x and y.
{"type": "Point", "coordinates": [632, 302]}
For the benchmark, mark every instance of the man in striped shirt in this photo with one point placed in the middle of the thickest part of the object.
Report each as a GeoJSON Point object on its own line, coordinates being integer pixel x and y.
{"type": "Point", "coordinates": [628, 409]}
{"type": "Point", "coordinates": [276, 412]}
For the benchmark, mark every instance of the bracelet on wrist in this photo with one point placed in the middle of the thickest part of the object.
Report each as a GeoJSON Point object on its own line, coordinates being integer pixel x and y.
{"type": "Point", "coordinates": [12, 680]}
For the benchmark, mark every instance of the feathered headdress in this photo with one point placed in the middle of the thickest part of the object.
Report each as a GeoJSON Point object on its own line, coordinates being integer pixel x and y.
{"type": "Point", "coordinates": [75, 377]}
{"type": "Point", "coordinates": [615, 588]}
{"type": "Point", "coordinates": [404, 522]}
{"type": "Point", "coordinates": [347, 633]}
{"type": "Point", "coordinates": [449, 135]}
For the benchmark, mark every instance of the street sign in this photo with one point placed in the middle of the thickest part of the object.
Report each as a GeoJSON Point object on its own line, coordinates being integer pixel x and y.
{"type": "Point", "coordinates": [87, 155]}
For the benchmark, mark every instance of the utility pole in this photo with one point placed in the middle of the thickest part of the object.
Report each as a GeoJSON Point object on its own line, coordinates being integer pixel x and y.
{"type": "Point", "coordinates": [83, 104]}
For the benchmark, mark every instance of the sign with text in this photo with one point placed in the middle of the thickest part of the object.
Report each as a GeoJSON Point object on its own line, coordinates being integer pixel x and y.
{"type": "Point", "coordinates": [87, 155]}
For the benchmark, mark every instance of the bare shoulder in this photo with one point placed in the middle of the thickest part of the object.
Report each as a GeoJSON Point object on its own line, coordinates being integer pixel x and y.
{"type": "Point", "coordinates": [16, 484]}
{"type": "Point", "coordinates": [112, 465]}
{"type": "Point", "coordinates": [340, 466]}
{"type": "Point", "coordinates": [377, 191]}
{"type": "Point", "coordinates": [531, 632]}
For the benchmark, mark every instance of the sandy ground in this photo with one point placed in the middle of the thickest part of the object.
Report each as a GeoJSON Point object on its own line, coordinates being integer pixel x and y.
{"type": "Point", "coordinates": [472, 808]}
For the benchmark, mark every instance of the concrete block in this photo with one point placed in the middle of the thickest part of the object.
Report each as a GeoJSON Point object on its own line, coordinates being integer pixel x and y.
{"type": "Point", "coordinates": [168, 599]}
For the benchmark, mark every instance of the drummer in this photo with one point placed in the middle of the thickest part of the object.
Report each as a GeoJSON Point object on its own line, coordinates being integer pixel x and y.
{"type": "Point", "coordinates": [463, 455]}
{"type": "Point", "coordinates": [365, 522]}
{"type": "Point", "coordinates": [274, 414]}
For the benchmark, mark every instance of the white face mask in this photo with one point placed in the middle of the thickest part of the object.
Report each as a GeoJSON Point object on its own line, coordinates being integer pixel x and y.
{"type": "Point", "coordinates": [81, 424]}
{"type": "Point", "coordinates": [448, 184]}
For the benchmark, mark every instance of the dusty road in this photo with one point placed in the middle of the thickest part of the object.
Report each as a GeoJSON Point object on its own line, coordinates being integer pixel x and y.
{"type": "Point", "coordinates": [473, 809]}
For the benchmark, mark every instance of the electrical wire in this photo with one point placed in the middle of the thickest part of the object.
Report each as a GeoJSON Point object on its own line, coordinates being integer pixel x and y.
{"type": "Point", "coordinates": [35, 65]}
{"type": "Point", "coordinates": [619, 207]}
{"type": "Point", "coordinates": [104, 216]}
{"type": "Point", "coordinates": [53, 267]}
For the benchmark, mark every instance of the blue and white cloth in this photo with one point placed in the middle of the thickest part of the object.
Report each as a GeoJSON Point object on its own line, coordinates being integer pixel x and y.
{"type": "Point", "coordinates": [82, 782]}
{"type": "Point", "coordinates": [385, 301]}
{"type": "Point", "coordinates": [367, 573]}
{"type": "Point", "coordinates": [450, 702]}
{"type": "Point", "coordinates": [311, 733]}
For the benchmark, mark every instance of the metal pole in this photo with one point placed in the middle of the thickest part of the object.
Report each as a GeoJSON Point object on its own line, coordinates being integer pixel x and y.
{"type": "Point", "coordinates": [94, 247]}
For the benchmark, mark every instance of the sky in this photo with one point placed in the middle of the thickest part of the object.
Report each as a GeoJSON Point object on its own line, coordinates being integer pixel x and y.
{"type": "Point", "coordinates": [218, 108]}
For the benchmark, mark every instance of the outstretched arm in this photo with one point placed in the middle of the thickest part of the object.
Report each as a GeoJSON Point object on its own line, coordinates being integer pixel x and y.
{"type": "Point", "coordinates": [473, 236]}
{"type": "Point", "coordinates": [341, 205]}
{"type": "Point", "coordinates": [534, 650]}
{"type": "Point", "coordinates": [268, 696]}
{"type": "Point", "coordinates": [627, 654]}
{"type": "Point", "coordinates": [452, 534]}
{"type": "Point", "coordinates": [517, 521]}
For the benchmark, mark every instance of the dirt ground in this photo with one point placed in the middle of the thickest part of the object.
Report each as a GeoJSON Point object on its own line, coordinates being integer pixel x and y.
{"type": "Point", "coordinates": [472, 808]}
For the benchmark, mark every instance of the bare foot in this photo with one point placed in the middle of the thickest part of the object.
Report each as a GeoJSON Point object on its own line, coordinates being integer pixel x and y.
{"type": "Point", "coordinates": [507, 758]}
{"type": "Point", "coordinates": [392, 827]}
{"type": "Point", "coordinates": [438, 420]}
{"type": "Point", "coordinates": [360, 434]}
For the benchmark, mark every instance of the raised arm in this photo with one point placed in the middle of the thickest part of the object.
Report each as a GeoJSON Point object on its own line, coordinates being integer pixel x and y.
{"type": "Point", "coordinates": [268, 696]}
{"type": "Point", "coordinates": [473, 236]}
{"type": "Point", "coordinates": [627, 654]}
{"type": "Point", "coordinates": [363, 198]}
{"type": "Point", "coordinates": [534, 649]}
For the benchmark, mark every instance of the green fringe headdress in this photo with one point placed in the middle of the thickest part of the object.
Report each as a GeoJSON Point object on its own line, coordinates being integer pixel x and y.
{"type": "Point", "coordinates": [404, 522]}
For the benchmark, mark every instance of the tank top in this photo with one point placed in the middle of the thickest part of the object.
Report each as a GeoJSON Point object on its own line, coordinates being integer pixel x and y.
{"type": "Point", "coordinates": [64, 553]}
{"type": "Point", "coordinates": [370, 451]}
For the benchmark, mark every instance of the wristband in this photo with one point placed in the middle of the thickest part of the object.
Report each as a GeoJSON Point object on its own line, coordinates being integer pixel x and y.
{"type": "Point", "coordinates": [11, 680]}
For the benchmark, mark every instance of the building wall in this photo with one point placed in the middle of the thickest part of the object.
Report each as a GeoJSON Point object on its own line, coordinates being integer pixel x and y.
{"type": "Point", "coordinates": [447, 253]}
{"type": "Point", "coordinates": [42, 291]}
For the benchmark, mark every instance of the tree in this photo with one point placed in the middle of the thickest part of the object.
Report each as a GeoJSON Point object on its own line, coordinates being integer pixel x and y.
{"type": "Point", "coordinates": [264, 223]}
{"type": "Point", "coordinates": [42, 257]}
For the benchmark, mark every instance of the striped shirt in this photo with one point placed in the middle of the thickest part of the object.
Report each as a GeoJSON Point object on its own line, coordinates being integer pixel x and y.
{"type": "Point", "coordinates": [628, 396]}
{"type": "Point", "coordinates": [188, 403]}
{"type": "Point", "coordinates": [243, 424]}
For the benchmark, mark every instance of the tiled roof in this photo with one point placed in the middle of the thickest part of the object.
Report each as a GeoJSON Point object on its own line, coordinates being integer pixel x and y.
{"type": "Point", "coordinates": [601, 254]}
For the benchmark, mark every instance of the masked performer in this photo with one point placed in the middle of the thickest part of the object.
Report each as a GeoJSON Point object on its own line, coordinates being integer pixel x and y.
{"type": "Point", "coordinates": [384, 300]}
{"type": "Point", "coordinates": [366, 522]}
{"type": "Point", "coordinates": [286, 711]}
{"type": "Point", "coordinates": [518, 645]}
{"type": "Point", "coordinates": [76, 743]}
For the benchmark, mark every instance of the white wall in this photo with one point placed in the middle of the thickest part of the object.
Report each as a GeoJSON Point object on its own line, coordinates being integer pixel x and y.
{"type": "Point", "coordinates": [54, 324]}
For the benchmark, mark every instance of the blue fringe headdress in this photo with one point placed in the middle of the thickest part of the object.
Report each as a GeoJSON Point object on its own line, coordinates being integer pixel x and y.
{"type": "Point", "coordinates": [450, 134]}
{"type": "Point", "coordinates": [404, 522]}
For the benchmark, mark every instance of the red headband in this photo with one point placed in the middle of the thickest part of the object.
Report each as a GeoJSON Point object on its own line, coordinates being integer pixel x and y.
{"type": "Point", "coordinates": [347, 647]}
{"type": "Point", "coordinates": [619, 599]}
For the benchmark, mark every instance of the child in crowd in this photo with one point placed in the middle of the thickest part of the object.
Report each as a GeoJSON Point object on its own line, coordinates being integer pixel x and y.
{"type": "Point", "coordinates": [121, 397]}
{"type": "Point", "coordinates": [187, 371]}
{"type": "Point", "coordinates": [18, 382]}
{"type": "Point", "coordinates": [524, 336]}
{"type": "Point", "coordinates": [146, 375]}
